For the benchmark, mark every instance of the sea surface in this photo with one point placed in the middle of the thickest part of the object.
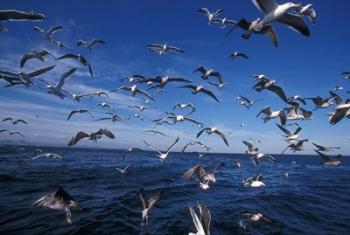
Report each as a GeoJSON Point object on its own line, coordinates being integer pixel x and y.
{"type": "Point", "coordinates": [313, 199]}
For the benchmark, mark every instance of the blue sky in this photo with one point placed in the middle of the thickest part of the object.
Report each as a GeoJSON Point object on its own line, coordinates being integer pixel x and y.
{"type": "Point", "coordinates": [305, 66]}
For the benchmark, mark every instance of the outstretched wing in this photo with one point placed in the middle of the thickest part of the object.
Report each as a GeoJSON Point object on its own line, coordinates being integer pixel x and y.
{"type": "Point", "coordinates": [77, 137]}
{"type": "Point", "coordinates": [211, 94]}
{"type": "Point", "coordinates": [189, 173]}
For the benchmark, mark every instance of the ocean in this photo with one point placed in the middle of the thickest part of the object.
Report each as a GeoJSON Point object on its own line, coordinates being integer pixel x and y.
{"type": "Point", "coordinates": [313, 199]}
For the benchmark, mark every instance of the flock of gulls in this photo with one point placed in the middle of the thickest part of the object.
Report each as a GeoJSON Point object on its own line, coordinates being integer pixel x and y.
{"type": "Point", "coordinates": [290, 14]}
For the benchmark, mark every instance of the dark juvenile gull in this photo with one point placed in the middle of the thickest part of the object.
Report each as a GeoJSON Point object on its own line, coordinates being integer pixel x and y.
{"type": "Point", "coordinates": [16, 15]}
{"type": "Point", "coordinates": [79, 58]}
{"type": "Point", "coordinates": [200, 88]}
{"type": "Point", "coordinates": [329, 161]}
{"type": "Point", "coordinates": [163, 49]}
{"type": "Point", "coordinates": [211, 15]}
{"type": "Point", "coordinates": [79, 111]}
{"type": "Point", "coordinates": [133, 90]}
{"type": "Point", "coordinates": [59, 200]}
{"type": "Point", "coordinates": [39, 55]}
{"type": "Point", "coordinates": [163, 155]}
{"type": "Point", "coordinates": [94, 136]}
{"type": "Point", "coordinates": [201, 220]}
{"type": "Point", "coordinates": [13, 121]}
{"type": "Point", "coordinates": [148, 203]}
{"type": "Point", "coordinates": [12, 132]}
{"type": "Point", "coordinates": [206, 73]}
{"type": "Point", "coordinates": [213, 130]}
{"type": "Point", "coordinates": [89, 44]}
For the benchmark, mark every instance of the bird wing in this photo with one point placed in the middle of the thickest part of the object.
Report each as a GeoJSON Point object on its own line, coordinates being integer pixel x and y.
{"type": "Point", "coordinates": [175, 49]}
{"type": "Point", "coordinates": [25, 57]}
{"type": "Point", "coordinates": [266, 6]}
{"type": "Point", "coordinates": [205, 217]}
{"type": "Point", "coordinates": [318, 146]}
{"type": "Point", "coordinates": [218, 165]}
{"type": "Point", "coordinates": [152, 147]}
{"type": "Point", "coordinates": [244, 24]}
{"type": "Point", "coordinates": [284, 150]}
{"type": "Point", "coordinates": [196, 221]}
{"type": "Point", "coordinates": [77, 137]}
{"type": "Point", "coordinates": [39, 29]}
{"type": "Point", "coordinates": [201, 131]}
{"type": "Point", "coordinates": [222, 136]}
{"type": "Point", "coordinates": [145, 94]}
{"type": "Point", "coordinates": [188, 86]}
{"type": "Point", "coordinates": [143, 198]}
{"type": "Point", "coordinates": [211, 94]}
{"type": "Point", "coordinates": [154, 46]}
{"type": "Point", "coordinates": [189, 173]}
{"type": "Point", "coordinates": [258, 177]}
{"type": "Point", "coordinates": [267, 110]}
{"type": "Point", "coordinates": [81, 42]}
{"type": "Point", "coordinates": [54, 29]}
{"type": "Point", "coordinates": [271, 32]}
{"type": "Point", "coordinates": [270, 157]}
{"type": "Point", "coordinates": [285, 130]}
{"type": "Point", "coordinates": [95, 41]}
{"type": "Point", "coordinates": [296, 23]}
{"type": "Point", "coordinates": [154, 198]}
{"type": "Point", "coordinates": [68, 56]}
{"type": "Point", "coordinates": [324, 157]}
{"type": "Point", "coordinates": [192, 120]}
{"type": "Point", "coordinates": [338, 115]}
{"type": "Point", "coordinates": [297, 130]}
{"type": "Point", "coordinates": [7, 119]}
{"type": "Point", "coordinates": [249, 145]}
{"type": "Point", "coordinates": [278, 91]}
{"type": "Point", "coordinates": [20, 121]}
{"type": "Point", "coordinates": [178, 80]}
{"type": "Point", "coordinates": [65, 76]}
{"type": "Point", "coordinates": [104, 131]}
{"type": "Point", "coordinates": [71, 114]}
{"type": "Point", "coordinates": [123, 88]}
{"type": "Point", "coordinates": [204, 10]}
{"type": "Point", "coordinates": [217, 75]}
{"type": "Point", "coordinates": [172, 146]}
{"type": "Point", "coordinates": [201, 70]}
{"type": "Point", "coordinates": [40, 71]}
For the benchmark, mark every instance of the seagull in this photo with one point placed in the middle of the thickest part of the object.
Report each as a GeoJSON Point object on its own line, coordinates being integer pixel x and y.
{"type": "Point", "coordinates": [200, 88]}
{"type": "Point", "coordinates": [206, 73]}
{"type": "Point", "coordinates": [342, 110]}
{"type": "Point", "coordinates": [270, 85]}
{"type": "Point", "coordinates": [328, 161]}
{"type": "Point", "coordinates": [219, 85]}
{"type": "Point", "coordinates": [269, 114]}
{"type": "Point", "coordinates": [237, 164]}
{"type": "Point", "coordinates": [79, 111]}
{"type": "Point", "coordinates": [113, 117]}
{"type": "Point", "coordinates": [162, 155]}
{"type": "Point", "coordinates": [156, 132]}
{"type": "Point", "coordinates": [293, 113]}
{"type": "Point", "coordinates": [14, 122]}
{"type": "Point", "coordinates": [59, 200]}
{"type": "Point", "coordinates": [182, 118]}
{"type": "Point", "coordinates": [251, 149]}
{"type": "Point", "coordinates": [163, 49]}
{"type": "Point", "coordinates": [338, 88]}
{"type": "Point", "coordinates": [250, 28]}
{"type": "Point", "coordinates": [254, 182]}
{"type": "Point", "coordinates": [129, 151]}
{"type": "Point", "coordinates": [49, 33]}
{"type": "Point", "coordinates": [39, 55]}
{"type": "Point", "coordinates": [79, 58]}
{"type": "Point", "coordinates": [48, 156]}
{"type": "Point", "coordinates": [245, 101]}
{"type": "Point", "coordinates": [12, 132]}
{"type": "Point", "coordinates": [103, 105]}
{"type": "Point", "coordinates": [89, 44]}
{"type": "Point", "coordinates": [290, 137]}
{"type": "Point", "coordinates": [141, 108]}
{"type": "Point", "coordinates": [254, 217]}
{"type": "Point", "coordinates": [321, 103]}
{"type": "Point", "coordinates": [346, 75]}
{"type": "Point", "coordinates": [98, 93]}
{"type": "Point", "coordinates": [275, 12]}
{"type": "Point", "coordinates": [94, 136]}
{"type": "Point", "coordinates": [133, 90]}
{"type": "Point", "coordinates": [184, 106]}
{"type": "Point", "coordinates": [195, 143]}
{"type": "Point", "coordinates": [203, 177]}
{"type": "Point", "coordinates": [134, 78]}
{"type": "Point", "coordinates": [211, 130]}
{"type": "Point", "coordinates": [224, 21]}
{"type": "Point", "coordinates": [136, 115]}
{"type": "Point", "coordinates": [162, 81]}
{"type": "Point", "coordinates": [256, 156]}
{"type": "Point", "coordinates": [15, 15]}
{"type": "Point", "coordinates": [60, 45]}
{"type": "Point", "coordinates": [308, 11]}
{"type": "Point", "coordinates": [296, 98]}
{"type": "Point", "coordinates": [77, 97]}
{"type": "Point", "coordinates": [321, 148]}
{"type": "Point", "coordinates": [58, 89]}
{"type": "Point", "coordinates": [201, 220]}
{"type": "Point", "coordinates": [295, 147]}
{"type": "Point", "coordinates": [236, 54]}
{"type": "Point", "coordinates": [211, 15]}
{"type": "Point", "coordinates": [148, 203]}
{"type": "Point", "coordinates": [125, 170]}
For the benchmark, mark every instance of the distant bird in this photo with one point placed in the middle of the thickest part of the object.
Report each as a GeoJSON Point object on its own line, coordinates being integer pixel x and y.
{"type": "Point", "coordinates": [48, 156]}
{"type": "Point", "coordinates": [12, 132]}
{"type": "Point", "coordinates": [213, 130]}
{"type": "Point", "coordinates": [338, 88]}
{"type": "Point", "coordinates": [162, 155]}
{"type": "Point", "coordinates": [77, 97]}
{"type": "Point", "coordinates": [141, 108]}
{"type": "Point", "coordinates": [39, 55]}
{"type": "Point", "coordinates": [58, 89]}
{"type": "Point", "coordinates": [79, 111]}
{"type": "Point", "coordinates": [195, 143]}
{"type": "Point", "coordinates": [163, 49]}
{"type": "Point", "coordinates": [295, 147]}
{"type": "Point", "coordinates": [13, 121]}
{"type": "Point", "coordinates": [136, 116]}
{"type": "Point", "coordinates": [254, 216]}
{"type": "Point", "coordinates": [104, 105]}
{"type": "Point", "coordinates": [267, 84]}
{"type": "Point", "coordinates": [308, 11]}
{"type": "Point", "coordinates": [15, 15]}
{"type": "Point", "coordinates": [200, 88]}
{"type": "Point", "coordinates": [224, 21]}
{"type": "Point", "coordinates": [321, 148]}
{"type": "Point", "coordinates": [328, 161]}
{"type": "Point", "coordinates": [237, 164]}
{"type": "Point", "coordinates": [250, 27]}
{"type": "Point", "coordinates": [129, 151]}
{"type": "Point", "coordinates": [112, 117]}
{"type": "Point", "coordinates": [90, 44]}
{"type": "Point", "coordinates": [254, 182]}
{"type": "Point", "coordinates": [182, 118]}
{"type": "Point", "coordinates": [184, 106]}
{"type": "Point", "coordinates": [203, 177]}
{"type": "Point", "coordinates": [252, 150]}
{"type": "Point", "coordinates": [219, 85]}
{"type": "Point", "coordinates": [163, 81]}
{"type": "Point", "coordinates": [156, 132]}
{"type": "Point", "coordinates": [275, 12]}
{"type": "Point", "coordinates": [201, 220]}
{"type": "Point", "coordinates": [60, 45]}
{"type": "Point", "coordinates": [269, 114]}
{"type": "Point", "coordinates": [290, 137]}
{"type": "Point", "coordinates": [59, 200]}
{"type": "Point", "coordinates": [134, 78]}
{"type": "Point", "coordinates": [236, 54]}
{"type": "Point", "coordinates": [49, 33]}
{"type": "Point", "coordinates": [206, 73]}
{"type": "Point", "coordinates": [133, 90]}
{"type": "Point", "coordinates": [98, 93]}
{"type": "Point", "coordinates": [148, 203]}
{"type": "Point", "coordinates": [211, 15]}
{"type": "Point", "coordinates": [79, 58]}
{"type": "Point", "coordinates": [124, 171]}
{"type": "Point", "coordinates": [245, 101]}
{"type": "Point", "coordinates": [94, 136]}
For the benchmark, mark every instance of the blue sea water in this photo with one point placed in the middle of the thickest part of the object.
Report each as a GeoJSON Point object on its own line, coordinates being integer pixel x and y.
{"type": "Point", "coordinates": [313, 199]}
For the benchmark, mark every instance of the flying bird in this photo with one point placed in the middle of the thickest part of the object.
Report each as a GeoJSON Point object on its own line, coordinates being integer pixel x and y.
{"type": "Point", "coordinates": [200, 88]}
{"type": "Point", "coordinates": [48, 34]}
{"type": "Point", "coordinates": [90, 44]}
{"type": "Point", "coordinates": [245, 101]}
{"type": "Point", "coordinates": [148, 203]}
{"type": "Point", "coordinates": [14, 122]}
{"type": "Point", "coordinates": [124, 171]}
{"type": "Point", "coordinates": [94, 136]}
{"type": "Point", "coordinates": [236, 54]}
{"type": "Point", "coordinates": [156, 132]}
{"type": "Point", "coordinates": [79, 111]}
{"type": "Point", "coordinates": [133, 90]}
{"type": "Point", "coordinates": [39, 55]}
{"type": "Point", "coordinates": [79, 58]}
{"type": "Point", "coordinates": [329, 161]}
{"type": "Point", "coordinates": [211, 15]}
{"type": "Point", "coordinates": [269, 114]}
{"type": "Point", "coordinates": [290, 136]}
{"type": "Point", "coordinates": [163, 49]}
{"type": "Point", "coordinates": [162, 155]}
{"type": "Point", "coordinates": [213, 130]}
{"type": "Point", "coordinates": [129, 151]}
{"type": "Point", "coordinates": [12, 132]}
{"type": "Point", "coordinates": [295, 147]}
{"type": "Point", "coordinates": [224, 21]}
{"type": "Point", "coordinates": [267, 84]}
{"type": "Point", "coordinates": [206, 73]}
{"type": "Point", "coordinates": [321, 148]}
{"type": "Point", "coordinates": [15, 15]}
{"type": "Point", "coordinates": [47, 156]}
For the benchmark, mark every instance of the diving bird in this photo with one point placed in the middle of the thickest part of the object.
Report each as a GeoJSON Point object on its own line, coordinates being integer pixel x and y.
{"type": "Point", "coordinates": [162, 155]}
{"type": "Point", "coordinates": [12, 132]}
{"type": "Point", "coordinates": [254, 182]}
{"type": "Point", "coordinates": [79, 58]}
{"type": "Point", "coordinates": [58, 89]}
{"type": "Point", "coordinates": [210, 15]}
{"type": "Point", "coordinates": [94, 136]}
{"type": "Point", "coordinates": [148, 203]}
{"type": "Point", "coordinates": [224, 21]}
{"type": "Point", "coordinates": [47, 34]}
{"type": "Point", "coordinates": [274, 12]}
{"type": "Point", "coordinates": [206, 73]}
{"type": "Point", "coordinates": [203, 177]}
{"type": "Point", "coordinates": [59, 200]}
{"type": "Point", "coordinates": [39, 55]}
{"type": "Point", "coordinates": [133, 90]}
{"type": "Point", "coordinates": [47, 156]}
{"type": "Point", "coordinates": [90, 44]}
{"type": "Point", "coordinates": [156, 132]}
{"type": "Point", "coordinates": [163, 49]}
{"type": "Point", "coordinates": [79, 111]}
{"type": "Point", "coordinates": [236, 54]}
{"type": "Point", "coordinates": [201, 220]}
{"type": "Point", "coordinates": [200, 88]}
{"type": "Point", "coordinates": [329, 161]}
{"type": "Point", "coordinates": [213, 130]}
{"type": "Point", "coordinates": [321, 148]}
{"type": "Point", "coordinates": [16, 15]}
{"type": "Point", "coordinates": [269, 115]}
{"type": "Point", "coordinates": [124, 171]}
{"type": "Point", "coordinates": [295, 147]}
{"type": "Point", "coordinates": [290, 136]}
